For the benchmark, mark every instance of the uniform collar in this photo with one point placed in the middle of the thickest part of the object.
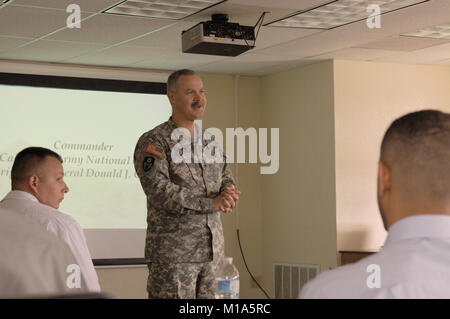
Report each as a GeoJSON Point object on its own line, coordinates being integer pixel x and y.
{"type": "Point", "coordinates": [197, 129]}
{"type": "Point", "coordinates": [16, 194]}
{"type": "Point", "coordinates": [419, 226]}
{"type": "Point", "coordinates": [172, 124]}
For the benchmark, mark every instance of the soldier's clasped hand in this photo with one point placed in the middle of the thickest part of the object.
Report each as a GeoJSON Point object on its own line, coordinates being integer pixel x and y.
{"type": "Point", "coordinates": [227, 199]}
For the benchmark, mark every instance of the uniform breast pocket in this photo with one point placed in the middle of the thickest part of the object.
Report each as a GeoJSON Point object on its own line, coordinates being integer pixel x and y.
{"type": "Point", "coordinates": [213, 176]}
{"type": "Point", "coordinates": [181, 174]}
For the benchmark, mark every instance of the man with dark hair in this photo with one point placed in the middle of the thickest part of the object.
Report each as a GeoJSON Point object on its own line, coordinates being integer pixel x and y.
{"type": "Point", "coordinates": [184, 235]}
{"type": "Point", "coordinates": [30, 163]}
{"type": "Point", "coordinates": [38, 187]}
{"type": "Point", "coordinates": [414, 202]}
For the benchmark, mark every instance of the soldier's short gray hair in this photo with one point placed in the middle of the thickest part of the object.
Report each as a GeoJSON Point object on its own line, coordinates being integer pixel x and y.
{"type": "Point", "coordinates": [172, 80]}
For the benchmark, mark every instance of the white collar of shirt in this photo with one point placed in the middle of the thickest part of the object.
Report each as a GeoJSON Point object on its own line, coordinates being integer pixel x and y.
{"type": "Point", "coordinates": [21, 195]}
{"type": "Point", "coordinates": [419, 226]}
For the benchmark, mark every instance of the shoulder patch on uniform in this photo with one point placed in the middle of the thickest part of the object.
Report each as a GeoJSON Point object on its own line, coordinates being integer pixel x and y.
{"type": "Point", "coordinates": [155, 150]}
{"type": "Point", "coordinates": [148, 163]}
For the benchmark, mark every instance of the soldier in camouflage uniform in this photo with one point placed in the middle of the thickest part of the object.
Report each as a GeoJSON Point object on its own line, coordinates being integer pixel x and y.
{"type": "Point", "coordinates": [184, 235]}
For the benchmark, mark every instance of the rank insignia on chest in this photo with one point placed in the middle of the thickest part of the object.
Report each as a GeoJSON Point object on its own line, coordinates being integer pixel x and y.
{"type": "Point", "coordinates": [155, 150]}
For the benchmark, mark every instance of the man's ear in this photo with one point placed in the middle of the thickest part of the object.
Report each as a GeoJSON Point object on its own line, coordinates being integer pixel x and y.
{"type": "Point", "coordinates": [33, 182]}
{"type": "Point", "coordinates": [384, 179]}
{"type": "Point", "coordinates": [170, 96]}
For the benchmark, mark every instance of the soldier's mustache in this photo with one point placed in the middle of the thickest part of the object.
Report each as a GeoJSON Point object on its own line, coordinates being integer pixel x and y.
{"type": "Point", "coordinates": [197, 104]}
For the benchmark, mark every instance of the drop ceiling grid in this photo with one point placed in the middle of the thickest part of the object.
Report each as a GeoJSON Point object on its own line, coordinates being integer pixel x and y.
{"type": "Point", "coordinates": [402, 43]}
{"type": "Point", "coordinates": [8, 43]}
{"type": "Point", "coordinates": [155, 43]}
{"type": "Point", "coordinates": [360, 54]}
{"type": "Point", "coordinates": [30, 22]}
{"type": "Point", "coordinates": [85, 5]}
{"type": "Point", "coordinates": [118, 56]}
{"type": "Point", "coordinates": [430, 55]}
{"type": "Point", "coordinates": [49, 50]}
{"type": "Point", "coordinates": [357, 34]}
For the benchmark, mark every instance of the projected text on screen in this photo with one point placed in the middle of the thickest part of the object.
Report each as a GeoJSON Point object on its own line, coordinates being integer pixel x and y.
{"type": "Point", "coordinates": [95, 133]}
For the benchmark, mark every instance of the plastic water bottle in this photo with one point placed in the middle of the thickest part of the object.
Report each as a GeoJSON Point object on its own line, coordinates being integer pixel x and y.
{"type": "Point", "coordinates": [227, 280]}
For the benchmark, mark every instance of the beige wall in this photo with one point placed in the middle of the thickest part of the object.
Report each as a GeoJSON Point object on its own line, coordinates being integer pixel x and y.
{"type": "Point", "coordinates": [368, 97]}
{"type": "Point", "coordinates": [221, 114]}
{"type": "Point", "coordinates": [299, 215]}
{"type": "Point", "coordinates": [123, 282]}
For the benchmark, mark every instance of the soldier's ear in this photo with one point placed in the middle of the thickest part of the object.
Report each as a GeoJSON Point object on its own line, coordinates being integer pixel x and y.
{"type": "Point", "coordinates": [171, 96]}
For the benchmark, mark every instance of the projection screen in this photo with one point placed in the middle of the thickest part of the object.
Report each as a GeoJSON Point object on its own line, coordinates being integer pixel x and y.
{"type": "Point", "coordinates": [94, 125]}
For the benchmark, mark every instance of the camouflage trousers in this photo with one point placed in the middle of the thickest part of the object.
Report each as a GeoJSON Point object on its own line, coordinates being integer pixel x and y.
{"type": "Point", "coordinates": [181, 280]}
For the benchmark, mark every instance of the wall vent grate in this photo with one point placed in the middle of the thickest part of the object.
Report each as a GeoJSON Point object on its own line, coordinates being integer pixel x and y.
{"type": "Point", "coordinates": [290, 278]}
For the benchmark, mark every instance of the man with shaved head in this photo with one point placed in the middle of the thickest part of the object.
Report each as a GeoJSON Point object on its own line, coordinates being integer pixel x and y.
{"type": "Point", "coordinates": [415, 155]}
{"type": "Point", "coordinates": [414, 202]}
{"type": "Point", "coordinates": [38, 187]}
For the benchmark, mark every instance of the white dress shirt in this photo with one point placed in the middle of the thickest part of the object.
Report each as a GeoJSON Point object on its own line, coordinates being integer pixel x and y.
{"type": "Point", "coordinates": [60, 224]}
{"type": "Point", "coordinates": [33, 261]}
{"type": "Point", "coordinates": [414, 263]}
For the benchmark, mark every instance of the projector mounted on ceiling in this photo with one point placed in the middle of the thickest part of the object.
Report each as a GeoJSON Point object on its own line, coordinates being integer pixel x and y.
{"type": "Point", "coordinates": [218, 37]}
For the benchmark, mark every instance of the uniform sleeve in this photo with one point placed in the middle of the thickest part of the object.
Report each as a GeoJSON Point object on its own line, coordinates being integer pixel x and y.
{"type": "Point", "coordinates": [152, 167]}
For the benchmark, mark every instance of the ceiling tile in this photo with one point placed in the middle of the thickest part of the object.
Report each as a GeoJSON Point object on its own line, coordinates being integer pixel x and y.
{"type": "Point", "coordinates": [295, 5]}
{"type": "Point", "coordinates": [270, 36]}
{"type": "Point", "coordinates": [168, 38]}
{"type": "Point", "coordinates": [30, 22]}
{"type": "Point", "coordinates": [339, 13]}
{"type": "Point", "coordinates": [85, 5]}
{"type": "Point", "coordinates": [245, 68]}
{"type": "Point", "coordinates": [282, 67]}
{"type": "Point", "coordinates": [118, 56]}
{"type": "Point", "coordinates": [177, 61]}
{"type": "Point", "coordinates": [242, 14]}
{"type": "Point", "coordinates": [7, 43]}
{"type": "Point", "coordinates": [164, 9]}
{"type": "Point", "coordinates": [110, 29]}
{"type": "Point", "coordinates": [247, 12]}
{"type": "Point", "coordinates": [49, 51]}
{"type": "Point", "coordinates": [356, 34]}
{"type": "Point", "coordinates": [402, 43]}
{"type": "Point", "coordinates": [423, 56]}
{"type": "Point", "coordinates": [255, 57]}
{"type": "Point", "coordinates": [355, 54]}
